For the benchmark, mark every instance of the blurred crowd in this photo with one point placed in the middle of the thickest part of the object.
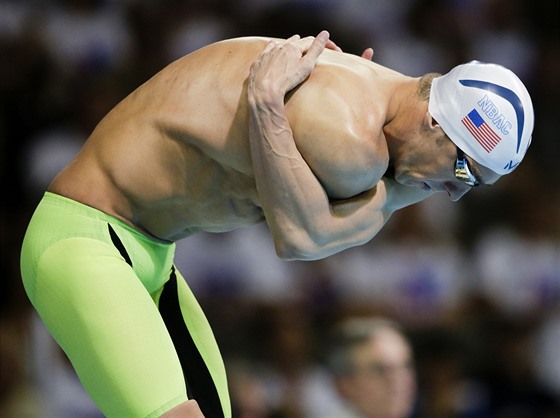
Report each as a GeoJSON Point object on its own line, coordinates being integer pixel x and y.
{"type": "Point", "coordinates": [475, 284]}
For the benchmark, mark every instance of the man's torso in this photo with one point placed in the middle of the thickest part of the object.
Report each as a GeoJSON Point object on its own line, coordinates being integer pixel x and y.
{"type": "Point", "coordinates": [173, 158]}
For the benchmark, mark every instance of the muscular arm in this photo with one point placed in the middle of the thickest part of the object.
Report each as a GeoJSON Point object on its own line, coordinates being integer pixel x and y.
{"type": "Point", "coordinates": [305, 224]}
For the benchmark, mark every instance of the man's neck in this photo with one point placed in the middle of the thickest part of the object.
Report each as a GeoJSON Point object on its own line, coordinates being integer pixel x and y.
{"type": "Point", "coordinates": [404, 115]}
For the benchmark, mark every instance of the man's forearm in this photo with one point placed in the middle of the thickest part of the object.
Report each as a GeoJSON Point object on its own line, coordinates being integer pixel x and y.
{"type": "Point", "coordinates": [286, 185]}
{"type": "Point", "coordinates": [400, 196]}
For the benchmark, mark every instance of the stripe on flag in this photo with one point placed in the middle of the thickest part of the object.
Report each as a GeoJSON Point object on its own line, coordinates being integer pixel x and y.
{"type": "Point", "coordinates": [481, 131]}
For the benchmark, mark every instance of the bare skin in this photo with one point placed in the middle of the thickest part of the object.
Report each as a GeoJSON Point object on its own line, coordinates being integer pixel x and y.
{"type": "Point", "coordinates": [248, 130]}
{"type": "Point", "coordinates": [174, 157]}
{"type": "Point", "coordinates": [188, 409]}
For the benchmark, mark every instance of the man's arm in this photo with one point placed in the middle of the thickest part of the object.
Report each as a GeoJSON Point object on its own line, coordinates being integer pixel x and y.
{"type": "Point", "coordinates": [303, 222]}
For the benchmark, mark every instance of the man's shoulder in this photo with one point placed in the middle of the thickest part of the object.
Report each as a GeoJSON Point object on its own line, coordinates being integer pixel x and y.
{"type": "Point", "coordinates": [347, 161]}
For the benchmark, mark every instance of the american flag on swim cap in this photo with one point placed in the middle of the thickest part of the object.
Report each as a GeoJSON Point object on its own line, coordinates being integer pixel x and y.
{"type": "Point", "coordinates": [481, 131]}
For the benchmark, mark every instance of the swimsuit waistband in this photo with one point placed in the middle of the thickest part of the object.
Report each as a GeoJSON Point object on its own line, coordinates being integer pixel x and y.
{"type": "Point", "coordinates": [78, 208]}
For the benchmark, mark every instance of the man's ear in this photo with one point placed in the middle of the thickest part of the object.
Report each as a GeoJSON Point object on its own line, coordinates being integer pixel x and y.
{"type": "Point", "coordinates": [430, 122]}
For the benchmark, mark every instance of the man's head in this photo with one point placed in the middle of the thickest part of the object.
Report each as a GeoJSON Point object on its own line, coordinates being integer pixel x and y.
{"type": "Point", "coordinates": [372, 365]}
{"type": "Point", "coordinates": [486, 111]}
{"type": "Point", "coordinates": [460, 130]}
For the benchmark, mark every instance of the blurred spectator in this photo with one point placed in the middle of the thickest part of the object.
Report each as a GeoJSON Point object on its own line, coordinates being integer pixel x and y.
{"type": "Point", "coordinates": [503, 37]}
{"type": "Point", "coordinates": [371, 363]}
{"type": "Point", "coordinates": [414, 269]}
{"type": "Point", "coordinates": [193, 24]}
{"type": "Point", "coordinates": [248, 394]}
{"type": "Point", "coordinates": [47, 155]}
{"type": "Point", "coordinates": [62, 394]}
{"type": "Point", "coordinates": [217, 264]}
{"type": "Point", "coordinates": [545, 347]}
{"type": "Point", "coordinates": [18, 394]}
{"type": "Point", "coordinates": [447, 387]}
{"type": "Point", "coordinates": [521, 274]}
{"type": "Point", "coordinates": [86, 34]}
{"type": "Point", "coordinates": [512, 380]}
{"type": "Point", "coordinates": [288, 342]}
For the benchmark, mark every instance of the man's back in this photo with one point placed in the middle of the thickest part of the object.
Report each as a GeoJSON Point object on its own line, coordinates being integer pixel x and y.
{"type": "Point", "coordinates": [173, 158]}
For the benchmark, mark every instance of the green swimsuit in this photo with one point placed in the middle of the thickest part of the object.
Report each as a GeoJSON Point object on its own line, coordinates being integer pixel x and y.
{"type": "Point", "coordinates": [122, 313]}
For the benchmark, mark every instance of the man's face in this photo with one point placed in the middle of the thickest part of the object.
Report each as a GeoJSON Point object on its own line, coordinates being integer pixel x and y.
{"type": "Point", "coordinates": [431, 164]}
{"type": "Point", "coordinates": [382, 384]}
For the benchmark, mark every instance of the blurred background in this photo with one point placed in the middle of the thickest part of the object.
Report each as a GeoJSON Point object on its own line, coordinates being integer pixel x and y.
{"type": "Point", "coordinates": [475, 284]}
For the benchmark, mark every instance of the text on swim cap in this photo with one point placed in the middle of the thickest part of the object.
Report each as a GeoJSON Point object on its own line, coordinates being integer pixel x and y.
{"type": "Point", "coordinates": [493, 113]}
{"type": "Point", "coordinates": [507, 94]}
{"type": "Point", "coordinates": [511, 165]}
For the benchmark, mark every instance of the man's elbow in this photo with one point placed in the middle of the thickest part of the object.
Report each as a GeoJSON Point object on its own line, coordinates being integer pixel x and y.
{"type": "Point", "coordinates": [306, 247]}
{"type": "Point", "coordinates": [291, 253]}
{"type": "Point", "coordinates": [297, 250]}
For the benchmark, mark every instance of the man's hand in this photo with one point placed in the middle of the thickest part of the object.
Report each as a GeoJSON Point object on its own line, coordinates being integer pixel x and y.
{"type": "Point", "coordinates": [284, 64]}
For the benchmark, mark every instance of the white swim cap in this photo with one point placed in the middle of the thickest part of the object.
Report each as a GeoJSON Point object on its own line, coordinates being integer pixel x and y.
{"type": "Point", "coordinates": [486, 111]}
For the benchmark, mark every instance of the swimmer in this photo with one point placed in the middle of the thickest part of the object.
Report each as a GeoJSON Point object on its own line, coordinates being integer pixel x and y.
{"type": "Point", "coordinates": [321, 145]}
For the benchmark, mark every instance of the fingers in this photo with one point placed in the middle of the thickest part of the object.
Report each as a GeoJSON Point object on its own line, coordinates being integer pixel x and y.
{"type": "Point", "coordinates": [269, 46]}
{"type": "Point", "coordinates": [316, 49]}
{"type": "Point", "coordinates": [283, 64]}
{"type": "Point", "coordinates": [331, 45]}
{"type": "Point", "coordinates": [315, 45]}
{"type": "Point", "coordinates": [293, 38]}
{"type": "Point", "coordinates": [368, 54]}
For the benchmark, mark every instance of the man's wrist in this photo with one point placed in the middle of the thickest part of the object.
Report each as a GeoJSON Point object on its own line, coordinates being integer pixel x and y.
{"type": "Point", "coordinates": [265, 96]}
{"type": "Point", "coordinates": [265, 99]}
